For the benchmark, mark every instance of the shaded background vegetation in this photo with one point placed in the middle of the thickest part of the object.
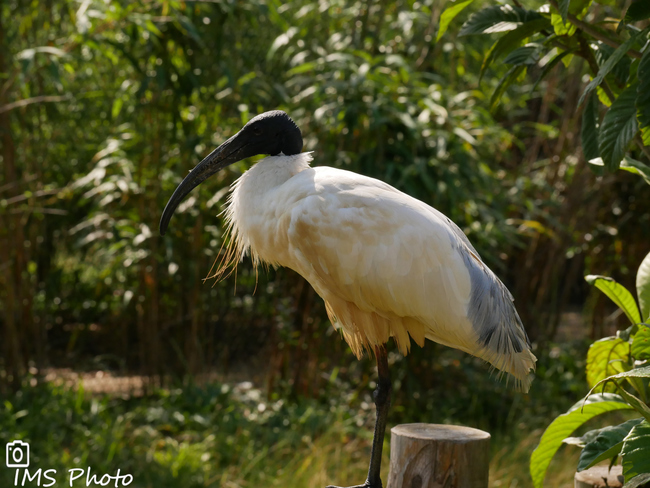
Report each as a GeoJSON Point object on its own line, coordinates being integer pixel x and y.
{"type": "Point", "coordinates": [105, 106]}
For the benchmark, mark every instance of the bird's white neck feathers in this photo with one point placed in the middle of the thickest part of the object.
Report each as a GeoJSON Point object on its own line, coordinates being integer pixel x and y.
{"type": "Point", "coordinates": [271, 172]}
{"type": "Point", "coordinates": [249, 214]}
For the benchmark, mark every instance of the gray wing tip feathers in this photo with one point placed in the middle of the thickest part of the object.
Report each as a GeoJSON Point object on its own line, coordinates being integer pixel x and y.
{"type": "Point", "coordinates": [503, 341]}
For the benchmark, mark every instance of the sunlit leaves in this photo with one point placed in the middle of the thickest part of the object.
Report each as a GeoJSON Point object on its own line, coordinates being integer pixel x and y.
{"type": "Point", "coordinates": [281, 40]}
{"type": "Point", "coordinates": [637, 167]}
{"type": "Point", "coordinates": [31, 52]}
{"type": "Point", "coordinates": [641, 344]}
{"type": "Point", "coordinates": [643, 287]}
{"type": "Point", "coordinates": [618, 294]}
{"type": "Point", "coordinates": [450, 14]}
{"type": "Point", "coordinates": [511, 40]}
{"type": "Point", "coordinates": [566, 7]}
{"type": "Point", "coordinates": [632, 375]}
{"type": "Point", "coordinates": [611, 62]}
{"type": "Point", "coordinates": [618, 128]}
{"type": "Point", "coordinates": [564, 425]}
{"type": "Point", "coordinates": [606, 357]}
{"type": "Point", "coordinates": [497, 19]}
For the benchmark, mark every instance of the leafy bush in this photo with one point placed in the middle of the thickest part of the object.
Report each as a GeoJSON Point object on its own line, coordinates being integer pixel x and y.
{"type": "Point", "coordinates": [614, 364]}
{"type": "Point", "coordinates": [191, 436]}
{"type": "Point", "coordinates": [618, 58]}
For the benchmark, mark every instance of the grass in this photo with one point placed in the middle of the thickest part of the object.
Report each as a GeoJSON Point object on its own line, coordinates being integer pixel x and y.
{"type": "Point", "coordinates": [221, 436]}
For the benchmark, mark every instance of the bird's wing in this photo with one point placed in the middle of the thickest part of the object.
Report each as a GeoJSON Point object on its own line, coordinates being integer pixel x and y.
{"type": "Point", "coordinates": [365, 245]}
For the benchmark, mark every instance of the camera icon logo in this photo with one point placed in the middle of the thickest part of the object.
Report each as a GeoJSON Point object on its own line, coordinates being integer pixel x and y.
{"type": "Point", "coordinates": [17, 454]}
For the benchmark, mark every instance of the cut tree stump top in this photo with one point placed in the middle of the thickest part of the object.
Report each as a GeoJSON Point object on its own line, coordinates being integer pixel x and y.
{"type": "Point", "coordinates": [438, 456]}
{"type": "Point", "coordinates": [440, 432]}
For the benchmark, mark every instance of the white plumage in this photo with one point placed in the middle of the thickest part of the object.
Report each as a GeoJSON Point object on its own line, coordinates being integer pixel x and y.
{"type": "Point", "coordinates": [386, 264]}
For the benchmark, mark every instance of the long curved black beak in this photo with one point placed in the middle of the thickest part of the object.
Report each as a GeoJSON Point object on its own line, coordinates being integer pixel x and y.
{"type": "Point", "coordinates": [229, 152]}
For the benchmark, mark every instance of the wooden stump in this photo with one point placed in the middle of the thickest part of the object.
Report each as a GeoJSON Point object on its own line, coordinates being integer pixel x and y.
{"type": "Point", "coordinates": [599, 477]}
{"type": "Point", "coordinates": [438, 456]}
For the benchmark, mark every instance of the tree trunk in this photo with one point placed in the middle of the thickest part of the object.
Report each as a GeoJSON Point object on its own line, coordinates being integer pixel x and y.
{"type": "Point", "coordinates": [437, 456]}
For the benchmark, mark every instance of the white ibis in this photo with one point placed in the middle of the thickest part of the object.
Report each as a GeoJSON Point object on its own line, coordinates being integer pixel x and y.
{"type": "Point", "coordinates": [386, 264]}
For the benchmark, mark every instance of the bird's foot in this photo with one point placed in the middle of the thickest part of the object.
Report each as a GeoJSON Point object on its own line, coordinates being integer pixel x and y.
{"type": "Point", "coordinates": [365, 485]}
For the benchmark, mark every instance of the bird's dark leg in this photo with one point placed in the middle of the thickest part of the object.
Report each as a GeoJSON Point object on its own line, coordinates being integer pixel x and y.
{"type": "Point", "coordinates": [382, 403]}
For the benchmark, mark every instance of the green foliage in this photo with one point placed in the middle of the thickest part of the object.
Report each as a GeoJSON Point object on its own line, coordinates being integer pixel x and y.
{"type": "Point", "coordinates": [638, 10]}
{"type": "Point", "coordinates": [109, 104]}
{"type": "Point", "coordinates": [609, 360]}
{"type": "Point", "coordinates": [636, 453]}
{"type": "Point", "coordinates": [191, 436]}
{"type": "Point", "coordinates": [606, 445]}
{"type": "Point", "coordinates": [643, 287]}
{"type": "Point", "coordinates": [497, 19]}
{"type": "Point", "coordinates": [450, 14]}
{"type": "Point", "coordinates": [589, 129]}
{"type": "Point", "coordinates": [512, 40]}
{"type": "Point", "coordinates": [618, 294]}
{"type": "Point", "coordinates": [567, 423]}
{"type": "Point", "coordinates": [641, 343]}
{"type": "Point", "coordinates": [617, 68]}
{"type": "Point", "coordinates": [643, 100]}
{"type": "Point", "coordinates": [618, 128]}
{"type": "Point", "coordinates": [606, 357]}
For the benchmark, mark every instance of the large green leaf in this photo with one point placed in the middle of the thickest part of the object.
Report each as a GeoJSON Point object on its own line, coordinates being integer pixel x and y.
{"type": "Point", "coordinates": [643, 98]}
{"type": "Point", "coordinates": [636, 167]}
{"type": "Point", "coordinates": [607, 444]}
{"type": "Point", "coordinates": [637, 481]}
{"type": "Point", "coordinates": [497, 19]}
{"type": "Point", "coordinates": [511, 40]}
{"type": "Point", "coordinates": [589, 129]}
{"type": "Point", "coordinates": [643, 287]}
{"type": "Point", "coordinates": [559, 21]}
{"type": "Point", "coordinates": [641, 344]}
{"type": "Point", "coordinates": [564, 425]}
{"type": "Point", "coordinates": [611, 63]}
{"type": "Point", "coordinates": [636, 452]}
{"type": "Point", "coordinates": [606, 357]}
{"type": "Point", "coordinates": [620, 73]}
{"type": "Point", "coordinates": [618, 128]}
{"type": "Point", "coordinates": [618, 294]}
{"type": "Point", "coordinates": [449, 14]}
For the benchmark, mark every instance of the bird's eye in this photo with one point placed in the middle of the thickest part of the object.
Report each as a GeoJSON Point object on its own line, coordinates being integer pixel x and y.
{"type": "Point", "coordinates": [257, 131]}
